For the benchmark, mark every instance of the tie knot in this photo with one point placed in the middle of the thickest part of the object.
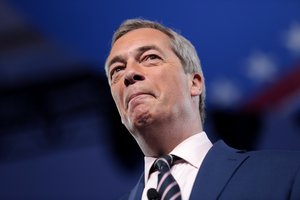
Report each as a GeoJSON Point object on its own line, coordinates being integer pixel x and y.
{"type": "Point", "coordinates": [164, 163]}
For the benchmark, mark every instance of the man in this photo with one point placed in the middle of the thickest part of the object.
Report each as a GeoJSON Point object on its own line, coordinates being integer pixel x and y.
{"type": "Point", "coordinates": [158, 86]}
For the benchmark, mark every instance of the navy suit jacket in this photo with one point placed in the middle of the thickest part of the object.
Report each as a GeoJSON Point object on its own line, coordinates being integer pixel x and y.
{"type": "Point", "coordinates": [231, 174]}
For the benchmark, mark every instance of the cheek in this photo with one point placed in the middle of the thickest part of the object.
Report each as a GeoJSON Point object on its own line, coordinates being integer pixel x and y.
{"type": "Point", "coordinates": [180, 89]}
{"type": "Point", "coordinates": [176, 83]}
{"type": "Point", "coordinates": [117, 98]}
{"type": "Point", "coordinates": [171, 91]}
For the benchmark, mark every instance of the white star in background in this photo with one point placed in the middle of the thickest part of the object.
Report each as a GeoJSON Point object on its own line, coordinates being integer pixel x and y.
{"type": "Point", "coordinates": [224, 92]}
{"type": "Point", "coordinates": [292, 39]}
{"type": "Point", "coordinates": [261, 67]}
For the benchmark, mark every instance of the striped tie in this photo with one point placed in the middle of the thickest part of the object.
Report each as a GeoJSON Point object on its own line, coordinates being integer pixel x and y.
{"type": "Point", "coordinates": [167, 186]}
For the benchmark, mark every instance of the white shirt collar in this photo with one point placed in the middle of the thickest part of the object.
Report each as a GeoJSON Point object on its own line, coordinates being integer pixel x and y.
{"type": "Point", "coordinates": [192, 150]}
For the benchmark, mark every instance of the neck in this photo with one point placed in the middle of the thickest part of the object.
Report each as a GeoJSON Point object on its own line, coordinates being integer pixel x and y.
{"type": "Point", "coordinates": [161, 138]}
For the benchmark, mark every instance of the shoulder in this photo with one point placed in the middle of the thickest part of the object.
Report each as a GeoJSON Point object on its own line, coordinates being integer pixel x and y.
{"type": "Point", "coordinates": [276, 155]}
{"type": "Point", "coordinates": [272, 159]}
{"type": "Point", "coordinates": [221, 146]}
{"type": "Point", "coordinates": [288, 161]}
{"type": "Point", "coordinates": [260, 174]}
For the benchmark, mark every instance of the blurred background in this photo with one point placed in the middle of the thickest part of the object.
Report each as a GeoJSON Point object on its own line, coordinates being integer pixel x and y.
{"type": "Point", "coordinates": [60, 134]}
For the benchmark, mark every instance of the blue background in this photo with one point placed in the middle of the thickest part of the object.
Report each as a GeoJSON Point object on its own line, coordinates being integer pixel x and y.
{"type": "Point", "coordinates": [58, 132]}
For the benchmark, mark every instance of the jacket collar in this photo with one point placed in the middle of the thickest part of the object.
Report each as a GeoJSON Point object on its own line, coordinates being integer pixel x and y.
{"type": "Point", "coordinates": [219, 165]}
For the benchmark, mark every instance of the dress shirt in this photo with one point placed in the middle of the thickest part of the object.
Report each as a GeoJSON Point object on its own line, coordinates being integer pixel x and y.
{"type": "Point", "coordinates": [192, 152]}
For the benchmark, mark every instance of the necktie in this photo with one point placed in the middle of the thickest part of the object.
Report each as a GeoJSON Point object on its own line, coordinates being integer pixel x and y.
{"type": "Point", "coordinates": [167, 186]}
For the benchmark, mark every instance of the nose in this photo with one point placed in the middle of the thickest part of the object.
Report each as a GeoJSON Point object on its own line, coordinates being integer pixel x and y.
{"type": "Point", "coordinates": [132, 77]}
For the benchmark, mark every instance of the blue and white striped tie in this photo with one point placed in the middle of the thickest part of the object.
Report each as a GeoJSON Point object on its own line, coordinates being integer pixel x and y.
{"type": "Point", "coordinates": [167, 186]}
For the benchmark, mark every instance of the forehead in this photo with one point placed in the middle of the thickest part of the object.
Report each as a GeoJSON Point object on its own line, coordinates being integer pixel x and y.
{"type": "Point", "coordinates": [137, 38]}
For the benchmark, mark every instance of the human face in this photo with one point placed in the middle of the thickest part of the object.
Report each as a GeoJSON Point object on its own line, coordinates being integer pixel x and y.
{"type": "Point", "coordinates": [147, 80]}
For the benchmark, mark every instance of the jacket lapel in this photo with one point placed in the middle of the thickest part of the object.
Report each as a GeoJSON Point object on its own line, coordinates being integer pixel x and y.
{"type": "Point", "coordinates": [219, 165]}
{"type": "Point", "coordinates": [137, 191]}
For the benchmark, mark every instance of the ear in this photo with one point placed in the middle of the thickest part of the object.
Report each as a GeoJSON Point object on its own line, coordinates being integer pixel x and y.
{"type": "Point", "coordinates": [197, 84]}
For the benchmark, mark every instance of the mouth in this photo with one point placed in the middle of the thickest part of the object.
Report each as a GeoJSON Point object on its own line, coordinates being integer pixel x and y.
{"type": "Point", "coordinates": [131, 97]}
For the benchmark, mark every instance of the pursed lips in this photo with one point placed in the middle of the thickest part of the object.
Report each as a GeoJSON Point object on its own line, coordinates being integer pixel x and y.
{"type": "Point", "coordinates": [132, 96]}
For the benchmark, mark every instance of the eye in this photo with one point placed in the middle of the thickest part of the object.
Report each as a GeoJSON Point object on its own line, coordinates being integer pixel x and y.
{"type": "Point", "coordinates": [151, 57]}
{"type": "Point", "coordinates": [115, 70]}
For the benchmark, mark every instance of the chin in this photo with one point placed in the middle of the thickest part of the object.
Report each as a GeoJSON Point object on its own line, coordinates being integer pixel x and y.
{"type": "Point", "coordinates": [143, 120]}
{"type": "Point", "coordinates": [138, 122]}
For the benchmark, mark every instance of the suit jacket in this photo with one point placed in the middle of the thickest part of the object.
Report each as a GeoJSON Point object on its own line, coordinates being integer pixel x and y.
{"type": "Point", "coordinates": [231, 174]}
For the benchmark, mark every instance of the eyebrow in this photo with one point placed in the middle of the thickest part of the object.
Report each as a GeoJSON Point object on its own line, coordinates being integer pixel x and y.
{"type": "Point", "coordinates": [115, 59]}
{"type": "Point", "coordinates": [143, 49]}
{"type": "Point", "coordinates": [138, 52]}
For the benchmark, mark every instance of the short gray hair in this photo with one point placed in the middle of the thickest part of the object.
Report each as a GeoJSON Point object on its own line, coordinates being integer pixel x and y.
{"type": "Point", "coordinates": [182, 47]}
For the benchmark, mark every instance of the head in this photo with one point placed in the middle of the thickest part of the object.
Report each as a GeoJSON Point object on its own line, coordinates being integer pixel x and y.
{"type": "Point", "coordinates": [181, 47]}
